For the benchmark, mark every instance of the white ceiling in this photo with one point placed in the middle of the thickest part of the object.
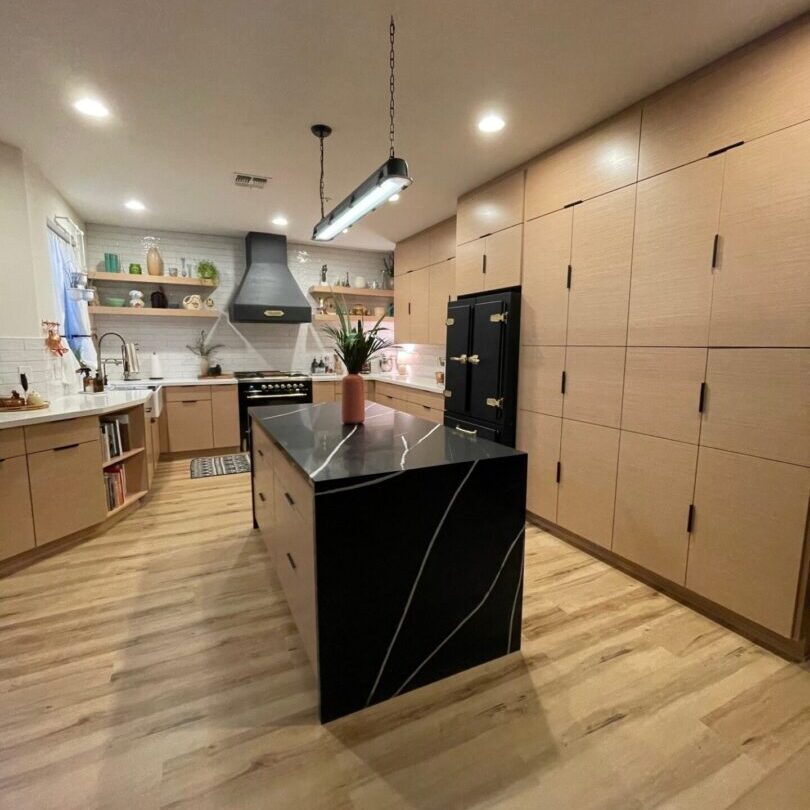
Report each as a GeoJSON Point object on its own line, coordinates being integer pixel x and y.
{"type": "Point", "coordinates": [199, 89]}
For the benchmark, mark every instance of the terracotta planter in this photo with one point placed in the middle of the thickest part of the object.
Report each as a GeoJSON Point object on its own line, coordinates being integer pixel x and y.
{"type": "Point", "coordinates": [354, 400]}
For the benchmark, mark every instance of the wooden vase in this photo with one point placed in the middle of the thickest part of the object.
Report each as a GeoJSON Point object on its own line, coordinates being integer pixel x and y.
{"type": "Point", "coordinates": [354, 401]}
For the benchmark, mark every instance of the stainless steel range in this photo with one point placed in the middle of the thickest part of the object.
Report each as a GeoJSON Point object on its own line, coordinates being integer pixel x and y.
{"type": "Point", "coordinates": [269, 388]}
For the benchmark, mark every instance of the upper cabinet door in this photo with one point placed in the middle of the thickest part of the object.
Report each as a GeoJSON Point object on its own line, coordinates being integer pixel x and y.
{"type": "Point", "coordinates": [671, 283]}
{"type": "Point", "coordinates": [470, 267]}
{"type": "Point", "coordinates": [762, 283]}
{"type": "Point", "coordinates": [503, 258]}
{"type": "Point", "coordinates": [742, 97]}
{"type": "Point", "coordinates": [491, 208]}
{"type": "Point", "coordinates": [546, 256]}
{"type": "Point", "coordinates": [442, 241]}
{"type": "Point", "coordinates": [601, 253]}
{"type": "Point", "coordinates": [598, 161]}
{"type": "Point", "coordinates": [419, 281]}
{"type": "Point", "coordinates": [442, 278]}
{"type": "Point", "coordinates": [402, 318]}
{"type": "Point", "coordinates": [412, 253]}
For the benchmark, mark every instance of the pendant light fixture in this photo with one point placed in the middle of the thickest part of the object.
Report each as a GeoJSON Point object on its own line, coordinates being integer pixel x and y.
{"type": "Point", "coordinates": [391, 178]}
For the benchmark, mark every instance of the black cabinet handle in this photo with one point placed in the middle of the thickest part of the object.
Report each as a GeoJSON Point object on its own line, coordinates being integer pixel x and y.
{"type": "Point", "coordinates": [568, 278]}
{"type": "Point", "coordinates": [261, 497]}
{"type": "Point", "coordinates": [702, 400]}
{"type": "Point", "coordinates": [65, 447]}
{"type": "Point", "coordinates": [690, 518]}
{"type": "Point", "coordinates": [188, 401]}
{"type": "Point", "coordinates": [258, 450]}
{"type": "Point", "coordinates": [289, 498]}
{"type": "Point", "coordinates": [291, 561]}
{"type": "Point", "coordinates": [484, 265]}
{"type": "Point", "coordinates": [715, 247]}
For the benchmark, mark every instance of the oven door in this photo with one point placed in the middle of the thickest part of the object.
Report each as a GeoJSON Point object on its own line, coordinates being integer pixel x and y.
{"type": "Point", "coordinates": [249, 398]}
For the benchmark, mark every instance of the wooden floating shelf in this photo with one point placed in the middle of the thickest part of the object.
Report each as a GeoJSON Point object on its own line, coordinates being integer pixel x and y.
{"type": "Point", "coordinates": [154, 312]}
{"type": "Point", "coordinates": [133, 278]}
{"type": "Point", "coordinates": [128, 501]}
{"type": "Point", "coordinates": [363, 292]}
{"type": "Point", "coordinates": [352, 318]}
{"type": "Point", "coordinates": [122, 457]}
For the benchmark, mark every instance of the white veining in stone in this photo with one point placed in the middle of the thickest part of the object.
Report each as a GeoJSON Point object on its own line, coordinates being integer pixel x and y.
{"type": "Point", "coordinates": [332, 454]}
{"type": "Point", "coordinates": [408, 449]}
{"type": "Point", "coordinates": [514, 606]}
{"type": "Point", "coordinates": [377, 480]}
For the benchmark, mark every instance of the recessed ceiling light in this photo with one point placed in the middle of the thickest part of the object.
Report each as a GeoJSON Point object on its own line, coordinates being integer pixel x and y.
{"type": "Point", "coordinates": [393, 198]}
{"type": "Point", "coordinates": [280, 221]}
{"type": "Point", "coordinates": [491, 123]}
{"type": "Point", "coordinates": [135, 205]}
{"type": "Point", "coordinates": [92, 107]}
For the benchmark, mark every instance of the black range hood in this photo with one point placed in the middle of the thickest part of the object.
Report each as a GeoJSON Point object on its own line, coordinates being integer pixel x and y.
{"type": "Point", "coordinates": [268, 293]}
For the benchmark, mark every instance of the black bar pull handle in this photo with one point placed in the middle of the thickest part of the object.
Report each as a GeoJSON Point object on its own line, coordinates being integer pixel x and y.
{"type": "Point", "coordinates": [291, 561]}
{"type": "Point", "coordinates": [559, 470]}
{"type": "Point", "coordinates": [562, 383]}
{"type": "Point", "coordinates": [484, 264]}
{"type": "Point", "coordinates": [715, 249]}
{"type": "Point", "coordinates": [690, 519]}
{"type": "Point", "coordinates": [702, 400]}
{"type": "Point", "coordinates": [568, 279]}
{"type": "Point", "coordinates": [65, 447]}
{"type": "Point", "coordinates": [261, 497]}
{"type": "Point", "coordinates": [289, 498]}
{"type": "Point", "coordinates": [259, 451]}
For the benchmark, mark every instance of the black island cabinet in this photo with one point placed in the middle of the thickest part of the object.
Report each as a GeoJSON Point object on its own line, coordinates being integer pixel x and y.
{"type": "Point", "coordinates": [398, 543]}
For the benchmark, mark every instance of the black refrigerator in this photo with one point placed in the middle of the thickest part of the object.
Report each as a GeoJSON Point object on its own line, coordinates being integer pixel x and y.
{"type": "Point", "coordinates": [481, 373]}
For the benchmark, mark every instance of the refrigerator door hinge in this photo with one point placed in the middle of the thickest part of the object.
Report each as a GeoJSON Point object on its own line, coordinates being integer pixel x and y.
{"type": "Point", "coordinates": [498, 317]}
{"type": "Point", "coordinates": [495, 402]}
{"type": "Point", "coordinates": [568, 279]}
{"type": "Point", "coordinates": [450, 321]}
{"type": "Point", "coordinates": [702, 400]}
{"type": "Point", "coordinates": [690, 518]}
{"type": "Point", "coordinates": [559, 470]}
{"type": "Point", "coordinates": [562, 383]}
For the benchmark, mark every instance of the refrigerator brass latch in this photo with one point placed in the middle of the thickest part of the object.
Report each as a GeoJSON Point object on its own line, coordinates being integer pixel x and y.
{"type": "Point", "coordinates": [450, 321]}
{"type": "Point", "coordinates": [495, 402]}
{"type": "Point", "coordinates": [499, 317]}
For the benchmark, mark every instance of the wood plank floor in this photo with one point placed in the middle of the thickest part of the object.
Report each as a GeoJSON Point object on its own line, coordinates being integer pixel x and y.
{"type": "Point", "coordinates": [157, 666]}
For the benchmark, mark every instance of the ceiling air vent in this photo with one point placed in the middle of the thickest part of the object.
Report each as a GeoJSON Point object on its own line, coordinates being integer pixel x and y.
{"type": "Point", "coordinates": [249, 180]}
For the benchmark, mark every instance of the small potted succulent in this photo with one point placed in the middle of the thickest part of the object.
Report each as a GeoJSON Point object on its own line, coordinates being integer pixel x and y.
{"type": "Point", "coordinates": [355, 347]}
{"type": "Point", "coordinates": [205, 351]}
{"type": "Point", "coordinates": [207, 271]}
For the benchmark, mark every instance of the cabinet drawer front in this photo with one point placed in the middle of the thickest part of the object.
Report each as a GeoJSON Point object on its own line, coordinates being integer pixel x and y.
{"type": "Point", "coordinates": [323, 392]}
{"type": "Point", "coordinates": [190, 426]}
{"type": "Point", "coordinates": [294, 489]}
{"type": "Point", "coordinates": [389, 390]}
{"type": "Point", "coordinates": [179, 393]}
{"type": "Point", "coordinates": [263, 449]}
{"type": "Point", "coordinates": [225, 416]}
{"type": "Point", "coordinates": [12, 443]}
{"type": "Point", "coordinates": [385, 399]}
{"type": "Point", "coordinates": [426, 398]}
{"type": "Point", "coordinates": [17, 524]}
{"type": "Point", "coordinates": [67, 490]}
{"type": "Point", "coordinates": [61, 434]}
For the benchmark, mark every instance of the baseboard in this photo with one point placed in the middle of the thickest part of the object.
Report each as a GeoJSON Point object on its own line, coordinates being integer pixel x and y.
{"type": "Point", "coordinates": [792, 649]}
{"type": "Point", "coordinates": [189, 454]}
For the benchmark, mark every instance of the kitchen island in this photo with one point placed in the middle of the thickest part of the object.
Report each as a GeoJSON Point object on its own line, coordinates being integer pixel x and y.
{"type": "Point", "coordinates": [399, 545]}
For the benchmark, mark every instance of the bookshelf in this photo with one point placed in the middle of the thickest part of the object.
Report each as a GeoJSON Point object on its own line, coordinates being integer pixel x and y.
{"type": "Point", "coordinates": [123, 444]}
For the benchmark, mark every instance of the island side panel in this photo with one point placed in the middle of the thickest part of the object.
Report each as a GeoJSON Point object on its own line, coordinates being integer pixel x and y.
{"type": "Point", "coordinates": [419, 576]}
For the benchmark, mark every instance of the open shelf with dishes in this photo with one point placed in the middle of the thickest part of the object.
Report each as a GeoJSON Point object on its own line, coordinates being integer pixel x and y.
{"type": "Point", "coordinates": [353, 292]}
{"type": "Point", "coordinates": [151, 312]}
{"type": "Point", "coordinates": [136, 279]}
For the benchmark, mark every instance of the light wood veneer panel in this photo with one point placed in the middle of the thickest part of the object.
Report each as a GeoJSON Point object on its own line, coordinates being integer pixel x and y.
{"type": "Point", "coordinates": [601, 254]}
{"type": "Point", "coordinates": [749, 529]}
{"type": "Point", "coordinates": [16, 518]}
{"type": "Point", "coordinates": [190, 424]}
{"type": "Point", "coordinates": [419, 281]}
{"type": "Point", "coordinates": [544, 301]}
{"type": "Point", "coordinates": [743, 96]}
{"type": "Point", "coordinates": [442, 241]}
{"type": "Point", "coordinates": [594, 377]}
{"type": "Point", "coordinates": [600, 160]}
{"type": "Point", "coordinates": [762, 286]}
{"type": "Point", "coordinates": [662, 392]}
{"type": "Point", "coordinates": [539, 436]}
{"type": "Point", "coordinates": [402, 320]}
{"type": "Point", "coordinates": [412, 253]}
{"type": "Point", "coordinates": [12, 442]}
{"type": "Point", "coordinates": [48, 435]}
{"type": "Point", "coordinates": [671, 286]}
{"type": "Point", "coordinates": [758, 402]}
{"type": "Point", "coordinates": [490, 208]}
{"type": "Point", "coordinates": [323, 392]}
{"type": "Point", "coordinates": [470, 267]}
{"type": "Point", "coordinates": [442, 281]}
{"type": "Point", "coordinates": [225, 415]}
{"type": "Point", "coordinates": [503, 251]}
{"type": "Point", "coordinates": [588, 457]}
{"type": "Point", "coordinates": [540, 377]}
{"type": "Point", "coordinates": [654, 488]}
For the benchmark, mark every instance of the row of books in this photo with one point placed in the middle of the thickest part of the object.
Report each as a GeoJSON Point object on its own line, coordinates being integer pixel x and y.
{"type": "Point", "coordinates": [115, 436]}
{"type": "Point", "coordinates": [115, 481]}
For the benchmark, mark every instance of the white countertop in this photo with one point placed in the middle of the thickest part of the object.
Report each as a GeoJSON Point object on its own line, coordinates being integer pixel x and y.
{"type": "Point", "coordinates": [75, 406]}
{"type": "Point", "coordinates": [122, 384]}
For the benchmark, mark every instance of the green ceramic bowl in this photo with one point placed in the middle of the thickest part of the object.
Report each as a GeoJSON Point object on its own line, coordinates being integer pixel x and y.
{"type": "Point", "coordinates": [116, 302]}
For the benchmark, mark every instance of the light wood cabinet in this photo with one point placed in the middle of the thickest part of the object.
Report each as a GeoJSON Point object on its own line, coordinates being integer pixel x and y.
{"type": "Point", "coordinates": [600, 160]}
{"type": "Point", "coordinates": [748, 536]}
{"type": "Point", "coordinates": [758, 402]}
{"type": "Point", "coordinates": [419, 310]}
{"type": "Point", "coordinates": [540, 379]}
{"type": "Point", "coordinates": [588, 458]}
{"type": "Point", "coordinates": [753, 92]}
{"type": "Point", "coordinates": [546, 257]}
{"type": "Point", "coordinates": [17, 523]}
{"type": "Point", "coordinates": [323, 392]}
{"type": "Point", "coordinates": [671, 285]}
{"type": "Point", "coordinates": [402, 318]}
{"type": "Point", "coordinates": [67, 488]}
{"type": "Point", "coordinates": [490, 208]}
{"type": "Point", "coordinates": [442, 241]}
{"type": "Point", "coordinates": [179, 393]}
{"type": "Point", "coordinates": [662, 392]}
{"type": "Point", "coordinates": [225, 415]}
{"type": "Point", "coordinates": [502, 258]}
{"type": "Point", "coordinates": [470, 267]}
{"type": "Point", "coordinates": [654, 489]}
{"type": "Point", "coordinates": [601, 253]}
{"type": "Point", "coordinates": [12, 442]}
{"type": "Point", "coordinates": [412, 253]}
{"type": "Point", "coordinates": [539, 436]}
{"type": "Point", "coordinates": [762, 285]}
{"type": "Point", "coordinates": [442, 280]}
{"type": "Point", "coordinates": [594, 376]}
{"type": "Point", "coordinates": [50, 435]}
{"type": "Point", "coordinates": [190, 423]}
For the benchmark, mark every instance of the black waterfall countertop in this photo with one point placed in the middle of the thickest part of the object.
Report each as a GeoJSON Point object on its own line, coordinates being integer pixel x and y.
{"type": "Point", "coordinates": [389, 441]}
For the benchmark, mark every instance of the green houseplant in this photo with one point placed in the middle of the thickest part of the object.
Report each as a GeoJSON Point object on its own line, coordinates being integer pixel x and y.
{"type": "Point", "coordinates": [204, 351]}
{"type": "Point", "coordinates": [354, 346]}
{"type": "Point", "coordinates": [207, 270]}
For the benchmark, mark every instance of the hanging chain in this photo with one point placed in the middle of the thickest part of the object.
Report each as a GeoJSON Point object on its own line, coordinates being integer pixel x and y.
{"type": "Point", "coordinates": [391, 31]}
{"type": "Point", "coordinates": [320, 138]}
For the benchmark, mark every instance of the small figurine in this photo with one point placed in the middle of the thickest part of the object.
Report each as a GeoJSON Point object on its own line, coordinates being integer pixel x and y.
{"type": "Point", "coordinates": [323, 274]}
{"type": "Point", "coordinates": [135, 298]}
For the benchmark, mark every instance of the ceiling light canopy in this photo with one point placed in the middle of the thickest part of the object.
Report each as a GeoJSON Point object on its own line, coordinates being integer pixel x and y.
{"type": "Point", "coordinates": [135, 205]}
{"type": "Point", "coordinates": [91, 107]}
{"type": "Point", "coordinates": [491, 123]}
{"type": "Point", "coordinates": [383, 184]}
{"type": "Point", "coordinates": [280, 220]}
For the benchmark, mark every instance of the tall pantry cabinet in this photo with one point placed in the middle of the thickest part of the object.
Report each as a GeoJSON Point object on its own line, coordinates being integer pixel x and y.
{"type": "Point", "coordinates": [665, 367]}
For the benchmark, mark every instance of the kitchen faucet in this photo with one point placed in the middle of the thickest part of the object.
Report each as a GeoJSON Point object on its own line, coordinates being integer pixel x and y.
{"type": "Point", "coordinates": [128, 360]}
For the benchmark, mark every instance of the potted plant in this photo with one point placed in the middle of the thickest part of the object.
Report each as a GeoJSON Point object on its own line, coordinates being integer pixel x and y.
{"type": "Point", "coordinates": [207, 271]}
{"type": "Point", "coordinates": [355, 347]}
{"type": "Point", "coordinates": [204, 351]}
